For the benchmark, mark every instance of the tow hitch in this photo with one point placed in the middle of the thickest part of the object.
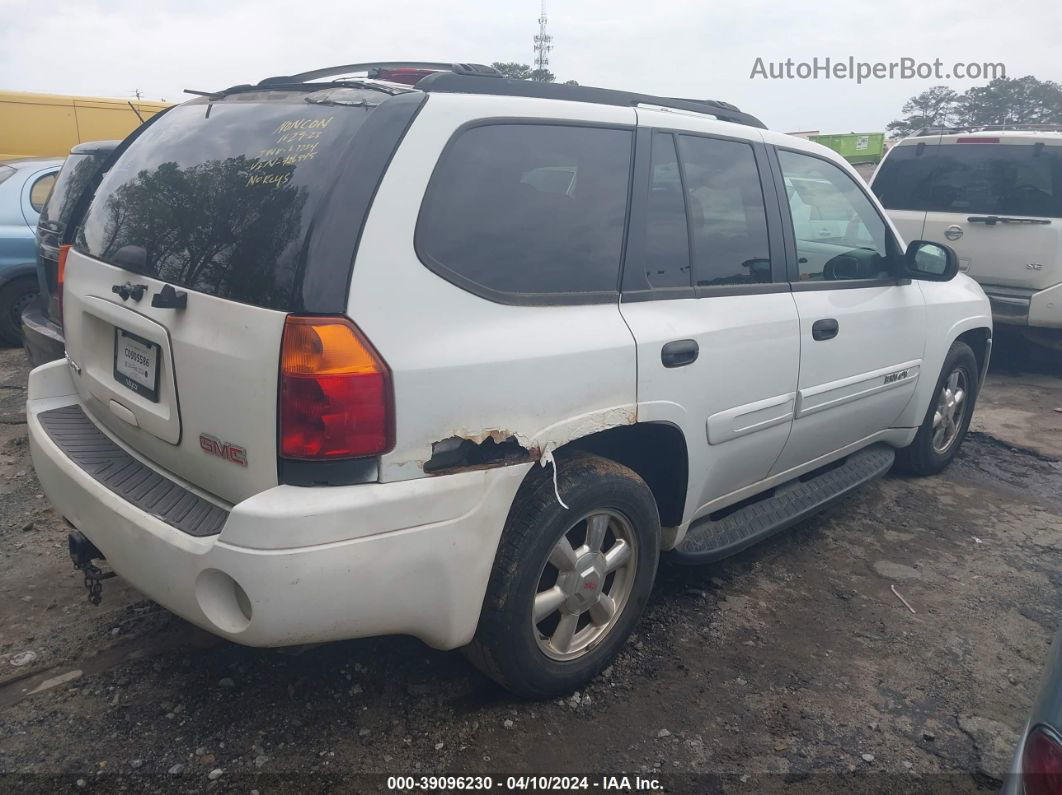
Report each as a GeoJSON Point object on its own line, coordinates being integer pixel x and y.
{"type": "Point", "coordinates": [83, 552]}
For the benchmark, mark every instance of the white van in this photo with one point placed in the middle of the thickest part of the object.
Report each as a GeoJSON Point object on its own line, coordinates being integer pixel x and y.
{"type": "Point", "coordinates": [995, 196]}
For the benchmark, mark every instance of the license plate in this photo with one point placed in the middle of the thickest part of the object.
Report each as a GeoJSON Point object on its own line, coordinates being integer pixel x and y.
{"type": "Point", "coordinates": [136, 364]}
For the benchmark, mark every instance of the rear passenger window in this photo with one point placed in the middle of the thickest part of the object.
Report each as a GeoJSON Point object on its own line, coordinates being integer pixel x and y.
{"type": "Point", "coordinates": [528, 208]}
{"type": "Point", "coordinates": [729, 222]}
{"type": "Point", "coordinates": [667, 249]}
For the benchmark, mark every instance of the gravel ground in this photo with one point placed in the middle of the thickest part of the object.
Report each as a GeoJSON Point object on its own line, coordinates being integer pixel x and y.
{"type": "Point", "coordinates": [793, 666]}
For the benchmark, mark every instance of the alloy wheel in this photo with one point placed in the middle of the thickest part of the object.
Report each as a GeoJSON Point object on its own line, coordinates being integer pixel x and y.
{"type": "Point", "coordinates": [584, 585]}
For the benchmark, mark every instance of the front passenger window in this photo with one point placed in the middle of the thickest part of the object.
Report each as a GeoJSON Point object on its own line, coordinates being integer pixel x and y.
{"type": "Point", "coordinates": [839, 234]}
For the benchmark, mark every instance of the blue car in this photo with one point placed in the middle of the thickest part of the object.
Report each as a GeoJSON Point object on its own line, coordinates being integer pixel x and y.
{"type": "Point", "coordinates": [24, 188]}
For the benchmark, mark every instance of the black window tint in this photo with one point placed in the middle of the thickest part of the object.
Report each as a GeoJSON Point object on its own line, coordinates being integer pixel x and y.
{"type": "Point", "coordinates": [77, 173]}
{"type": "Point", "coordinates": [667, 248]}
{"type": "Point", "coordinates": [904, 180]}
{"type": "Point", "coordinates": [999, 179]}
{"type": "Point", "coordinates": [222, 197]}
{"type": "Point", "coordinates": [529, 208]}
{"type": "Point", "coordinates": [974, 179]}
{"type": "Point", "coordinates": [730, 244]}
{"type": "Point", "coordinates": [839, 234]}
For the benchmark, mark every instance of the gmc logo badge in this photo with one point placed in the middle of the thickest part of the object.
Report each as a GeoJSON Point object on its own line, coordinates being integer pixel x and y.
{"type": "Point", "coordinates": [227, 450]}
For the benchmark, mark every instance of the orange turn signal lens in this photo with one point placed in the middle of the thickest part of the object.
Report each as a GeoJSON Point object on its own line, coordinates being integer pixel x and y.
{"type": "Point", "coordinates": [335, 392]}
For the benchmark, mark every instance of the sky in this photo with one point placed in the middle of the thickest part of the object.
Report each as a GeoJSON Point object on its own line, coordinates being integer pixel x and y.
{"type": "Point", "coordinates": [668, 47]}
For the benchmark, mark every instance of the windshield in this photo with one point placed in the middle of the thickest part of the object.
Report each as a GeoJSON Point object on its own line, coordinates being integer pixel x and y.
{"type": "Point", "coordinates": [220, 196]}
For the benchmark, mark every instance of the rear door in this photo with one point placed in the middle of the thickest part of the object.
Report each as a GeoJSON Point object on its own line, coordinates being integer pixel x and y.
{"type": "Point", "coordinates": [706, 299]}
{"type": "Point", "coordinates": [862, 330]}
{"type": "Point", "coordinates": [247, 209]}
{"type": "Point", "coordinates": [998, 202]}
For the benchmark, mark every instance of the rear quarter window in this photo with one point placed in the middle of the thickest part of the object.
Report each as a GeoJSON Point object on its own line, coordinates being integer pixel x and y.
{"type": "Point", "coordinates": [42, 187]}
{"type": "Point", "coordinates": [531, 212]}
{"type": "Point", "coordinates": [77, 173]}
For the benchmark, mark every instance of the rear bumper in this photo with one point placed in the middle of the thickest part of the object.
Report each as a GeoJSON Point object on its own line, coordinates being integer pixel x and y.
{"type": "Point", "coordinates": [42, 339]}
{"type": "Point", "coordinates": [420, 567]}
{"type": "Point", "coordinates": [1021, 307]}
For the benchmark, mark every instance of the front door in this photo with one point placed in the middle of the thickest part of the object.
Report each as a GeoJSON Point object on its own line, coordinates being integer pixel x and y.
{"type": "Point", "coordinates": [862, 330]}
{"type": "Point", "coordinates": [706, 298]}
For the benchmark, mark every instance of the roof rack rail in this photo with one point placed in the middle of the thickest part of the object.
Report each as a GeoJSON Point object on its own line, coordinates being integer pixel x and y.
{"type": "Point", "coordinates": [473, 78]}
{"type": "Point", "coordinates": [1015, 127]}
{"type": "Point", "coordinates": [478, 69]}
{"type": "Point", "coordinates": [451, 82]}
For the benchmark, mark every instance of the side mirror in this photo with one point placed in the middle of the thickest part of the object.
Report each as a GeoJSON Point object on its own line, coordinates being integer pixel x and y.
{"type": "Point", "coordinates": [931, 262]}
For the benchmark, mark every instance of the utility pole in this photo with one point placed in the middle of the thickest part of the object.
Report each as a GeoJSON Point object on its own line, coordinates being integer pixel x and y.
{"type": "Point", "coordinates": [543, 42]}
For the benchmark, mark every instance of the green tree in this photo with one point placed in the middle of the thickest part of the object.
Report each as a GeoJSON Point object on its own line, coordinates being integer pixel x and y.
{"type": "Point", "coordinates": [517, 71]}
{"type": "Point", "coordinates": [934, 107]}
{"type": "Point", "coordinates": [1021, 100]}
{"type": "Point", "coordinates": [543, 76]}
{"type": "Point", "coordinates": [521, 71]}
{"type": "Point", "coordinates": [1005, 100]}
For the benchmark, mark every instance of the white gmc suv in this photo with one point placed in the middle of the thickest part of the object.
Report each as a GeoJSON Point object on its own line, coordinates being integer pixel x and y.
{"type": "Point", "coordinates": [434, 352]}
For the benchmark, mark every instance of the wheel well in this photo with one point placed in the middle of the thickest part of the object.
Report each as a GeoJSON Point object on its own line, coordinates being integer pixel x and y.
{"type": "Point", "coordinates": [656, 451]}
{"type": "Point", "coordinates": [977, 339]}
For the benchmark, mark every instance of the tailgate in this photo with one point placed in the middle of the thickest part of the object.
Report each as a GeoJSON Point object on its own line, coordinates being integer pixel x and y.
{"type": "Point", "coordinates": [242, 208]}
{"type": "Point", "coordinates": [211, 419]}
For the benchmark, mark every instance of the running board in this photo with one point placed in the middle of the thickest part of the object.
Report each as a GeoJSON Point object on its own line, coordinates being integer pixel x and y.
{"type": "Point", "coordinates": [709, 539]}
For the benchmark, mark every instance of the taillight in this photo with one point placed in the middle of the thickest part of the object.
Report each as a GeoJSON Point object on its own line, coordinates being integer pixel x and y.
{"type": "Point", "coordinates": [335, 392]}
{"type": "Point", "coordinates": [60, 277]}
{"type": "Point", "coordinates": [1041, 763]}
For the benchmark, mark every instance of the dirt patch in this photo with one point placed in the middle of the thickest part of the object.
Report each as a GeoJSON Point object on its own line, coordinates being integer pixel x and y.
{"type": "Point", "coordinates": [792, 665]}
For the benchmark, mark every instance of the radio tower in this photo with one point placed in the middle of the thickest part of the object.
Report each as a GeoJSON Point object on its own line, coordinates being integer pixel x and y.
{"type": "Point", "coordinates": [543, 42]}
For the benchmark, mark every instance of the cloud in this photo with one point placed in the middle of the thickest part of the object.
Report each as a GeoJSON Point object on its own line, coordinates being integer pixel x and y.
{"type": "Point", "coordinates": [680, 48]}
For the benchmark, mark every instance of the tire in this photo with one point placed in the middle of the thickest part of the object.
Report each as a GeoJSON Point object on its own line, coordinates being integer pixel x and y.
{"type": "Point", "coordinates": [15, 296]}
{"type": "Point", "coordinates": [927, 454]}
{"type": "Point", "coordinates": [532, 659]}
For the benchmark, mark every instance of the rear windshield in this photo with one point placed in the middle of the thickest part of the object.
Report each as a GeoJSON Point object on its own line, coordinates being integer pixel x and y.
{"type": "Point", "coordinates": [77, 173]}
{"type": "Point", "coordinates": [220, 197]}
{"type": "Point", "coordinates": [973, 179]}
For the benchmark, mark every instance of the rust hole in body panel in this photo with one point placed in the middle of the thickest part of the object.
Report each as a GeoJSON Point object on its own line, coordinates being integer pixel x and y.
{"type": "Point", "coordinates": [490, 449]}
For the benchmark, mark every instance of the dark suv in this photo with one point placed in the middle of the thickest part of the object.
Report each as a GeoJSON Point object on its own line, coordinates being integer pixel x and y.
{"type": "Point", "coordinates": [42, 320]}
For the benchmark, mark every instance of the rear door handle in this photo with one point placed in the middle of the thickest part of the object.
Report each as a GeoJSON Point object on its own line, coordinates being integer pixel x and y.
{"type": "Point", "coordinates": [679, 353]}
{"type": "Point", "coordinates": [825, 329]}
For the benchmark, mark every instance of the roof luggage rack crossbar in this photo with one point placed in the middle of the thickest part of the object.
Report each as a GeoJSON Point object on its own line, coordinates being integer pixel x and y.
{"type": "Point", "coordinates": [458, 83]}
{"type": "Point", "coordinates": [332, 71]}
{"type": "Point", "coordinates": [1015, 127]}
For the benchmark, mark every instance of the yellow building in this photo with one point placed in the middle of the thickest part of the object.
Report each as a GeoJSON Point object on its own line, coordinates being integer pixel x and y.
{"type": "Point", "coordinates": [50, 124]}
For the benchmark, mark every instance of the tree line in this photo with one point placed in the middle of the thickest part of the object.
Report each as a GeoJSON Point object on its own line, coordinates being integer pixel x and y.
{"type": "Point", "coordinates": [1005, 100]}
{"type": "Point", "coordinates": [522, 71]}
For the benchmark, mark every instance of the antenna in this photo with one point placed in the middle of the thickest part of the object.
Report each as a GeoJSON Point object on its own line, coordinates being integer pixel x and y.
{"type": "Point", "coordinates": [543, 41]}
